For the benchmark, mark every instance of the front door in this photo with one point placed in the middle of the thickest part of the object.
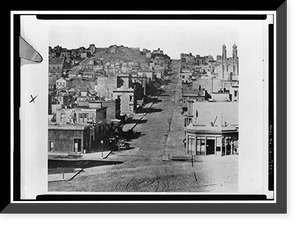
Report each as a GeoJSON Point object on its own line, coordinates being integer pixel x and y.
{"type": "Point", "coordinates": [77, 145]}
{"type": "Point", "coordinates": [210, 146]}
{"type": "Point", "coordinates": [200, 147]}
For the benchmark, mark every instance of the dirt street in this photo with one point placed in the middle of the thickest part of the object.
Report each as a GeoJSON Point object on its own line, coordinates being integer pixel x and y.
{"type": "Point", "coordinates": [143, 168]}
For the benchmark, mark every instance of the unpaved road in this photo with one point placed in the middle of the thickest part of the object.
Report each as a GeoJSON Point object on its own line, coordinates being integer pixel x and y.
{"type": "Point", "coordinates": [144, 170]}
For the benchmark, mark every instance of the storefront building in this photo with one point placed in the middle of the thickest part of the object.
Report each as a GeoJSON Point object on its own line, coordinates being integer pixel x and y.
{"type": "Point", "coordinates": [211, 140]}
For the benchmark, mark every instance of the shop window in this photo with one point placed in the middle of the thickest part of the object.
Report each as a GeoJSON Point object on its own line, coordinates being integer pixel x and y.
{"type": "Point", "coordinates": [191, 145]}
{"type": "Point", "coordinates": [200, 146]}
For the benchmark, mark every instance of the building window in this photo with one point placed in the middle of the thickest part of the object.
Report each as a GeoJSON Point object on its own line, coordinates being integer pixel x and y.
{"type": "Point", "coordinates": [235, 93]}
{"type": "Point", "coordinates": [51, 146]}
{"type": "Point", "coordinates": [196, 113]}
{"type": "Point", "coordinates": [130, 108]}
{"type": "Point", "coordinates": [200, 146]}
{"type": "Point", "coordinates": [62, 117]}
{"type": "Point", "coordinates": [130, 98]}
{"type": "Point", "coordinates": [83, 117]}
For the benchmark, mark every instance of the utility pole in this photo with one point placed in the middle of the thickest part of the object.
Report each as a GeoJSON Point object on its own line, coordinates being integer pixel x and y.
{"type": "Point", "coordinates": [101, 147]}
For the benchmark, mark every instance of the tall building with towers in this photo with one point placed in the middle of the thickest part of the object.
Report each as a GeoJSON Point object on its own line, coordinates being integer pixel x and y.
{"type": "Point", "coordinates": [229, 67]}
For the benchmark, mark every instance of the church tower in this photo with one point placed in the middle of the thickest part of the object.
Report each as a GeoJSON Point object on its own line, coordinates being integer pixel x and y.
{"type": "Point", "coordinates": [234, 51]}
{"type": "Point", "coordinates": [224, 55]}
{"type": "Point", "coordinates": [235, 60]}
{"type": "Point", "coordinates": [224, 61]}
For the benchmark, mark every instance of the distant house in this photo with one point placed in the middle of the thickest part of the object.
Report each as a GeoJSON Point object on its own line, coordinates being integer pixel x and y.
{"type": "Point", "coordinates": [74, 72]}
{"type": "Point", "coordinates": [127, 100]}
{"type": "Point", "coordinates": [56, 66]}
{"type": "Point", "coordinates": [83, 55]}
{"type": "Point", "coordinates": [158, 51]}
{"type": "Point", "coordinates": [148, 55]}
{"type": "Point", "coordinates": [87, 64]}
{"type": "Point", "coordinates": [61, 83]}
{"type": "Point", "coordinates": [186, 75]}
{"type": "Point", "coordinates": [92, 48]}
{"type": "Point", "coordinates": [65, 53]}
{"type": "Point", "coordinates": [52, 82]}
{"type": "Point", "coordinates": [105, 85]}
{"type": "Point", "coordinates": [112, 49]}
{"type": "Point", "coordinates": [234, 92]}
{"type": "Point", "coordinates": [146, 73]}
{"type": "Point", "coordinates": [64, 98]}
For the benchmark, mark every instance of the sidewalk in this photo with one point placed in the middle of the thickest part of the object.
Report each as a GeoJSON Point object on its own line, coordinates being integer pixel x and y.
{"type": "Point", "coordinates": [137, 117]}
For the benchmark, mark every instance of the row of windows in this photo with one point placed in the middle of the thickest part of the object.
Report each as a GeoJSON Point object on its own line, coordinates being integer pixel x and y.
{"type": "Point", "coordinates": [227, 68]}
{"type": "Point", "coordinates": [60, 83]}
{"type": "Point", "coordinates": [82, 117]}
{"type": "Point", "coordinates": [55, 67]}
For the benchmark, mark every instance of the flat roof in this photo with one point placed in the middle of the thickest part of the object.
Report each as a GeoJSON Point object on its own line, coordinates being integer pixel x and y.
{"type": "Point", "coordinates": [67, 127]}
{"type": "Point", "coordinates": [207, 129]}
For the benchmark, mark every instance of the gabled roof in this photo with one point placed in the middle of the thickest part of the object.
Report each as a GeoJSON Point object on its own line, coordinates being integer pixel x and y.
{"type": "Point", "coordinates": [61, 79]}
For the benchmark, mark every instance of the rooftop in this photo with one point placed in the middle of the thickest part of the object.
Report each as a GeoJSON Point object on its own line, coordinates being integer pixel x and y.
{"type": "Point", "coordinates": [67, 126]}
{"type": "Point", "coordinates": [56, 61]}
{"type": "Point", "coordinates": [190, 92]}
{"type": "Point", "coordinates": [208, 129]}
{"type": "Point", "coordinates": [123, 89]}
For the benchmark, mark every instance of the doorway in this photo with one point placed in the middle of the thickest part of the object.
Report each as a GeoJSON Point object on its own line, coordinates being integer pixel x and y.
{"type": "Point", "coordinates": [210, 146]}
{"type": "Point", "coordinates": [77, 145]}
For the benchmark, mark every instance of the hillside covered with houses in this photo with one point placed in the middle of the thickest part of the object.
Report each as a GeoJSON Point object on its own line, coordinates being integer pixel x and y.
{"type": "Point", "coordinates": [98, 88]}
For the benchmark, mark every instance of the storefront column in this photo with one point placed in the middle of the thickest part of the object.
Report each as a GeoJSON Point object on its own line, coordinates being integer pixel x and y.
{"type": "Point", "coordinates": [225, 147]}
{"type": "Point", "coordinates": [221, 150]}
{"type": "Point", "coordinates": [215, 146]}
{"type": "Point", "coordinates": [186, 143]}
{"type": "Point", "coordinates": [205, 145]}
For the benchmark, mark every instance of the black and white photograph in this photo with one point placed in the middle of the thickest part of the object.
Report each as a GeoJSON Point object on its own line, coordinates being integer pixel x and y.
{"type": "Point", "coordinates": [149, 112]}
{"type": "Point", "coordinates": [143, 106]}
{"type": "Point", "coordinates": [158, 107]}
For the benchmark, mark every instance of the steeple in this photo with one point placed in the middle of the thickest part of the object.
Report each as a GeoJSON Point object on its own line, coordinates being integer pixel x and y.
{"type": "Point", "coordinates": [234, 51]}
{"type": "Point", "coordinates": [224, 55]}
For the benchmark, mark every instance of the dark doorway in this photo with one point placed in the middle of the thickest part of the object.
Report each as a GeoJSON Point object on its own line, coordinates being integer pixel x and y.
{"type": "Point", "coordinates": [210, 146]}
{"type": "Point", "coordinates": [228, 148]}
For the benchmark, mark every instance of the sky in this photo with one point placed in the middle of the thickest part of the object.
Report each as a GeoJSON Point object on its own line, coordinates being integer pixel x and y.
{"type": "Point", "coordinates": [172, 36]}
